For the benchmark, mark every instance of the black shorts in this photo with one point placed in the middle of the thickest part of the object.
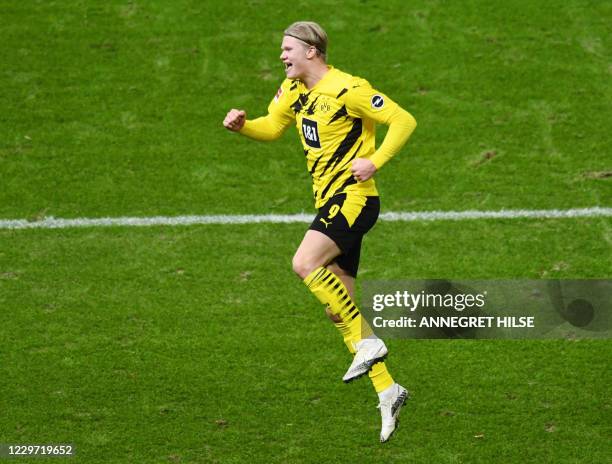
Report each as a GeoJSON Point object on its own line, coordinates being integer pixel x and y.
{"type": "Point", "coordinates": [346, 219]}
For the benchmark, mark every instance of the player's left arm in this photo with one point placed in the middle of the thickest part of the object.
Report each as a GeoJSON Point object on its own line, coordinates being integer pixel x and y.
{"type": "Point", "coordinates": [366, 102]}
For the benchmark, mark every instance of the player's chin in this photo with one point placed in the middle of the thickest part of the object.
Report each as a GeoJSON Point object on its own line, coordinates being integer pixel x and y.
{"type": "Point", "coordinates": [290, 73]}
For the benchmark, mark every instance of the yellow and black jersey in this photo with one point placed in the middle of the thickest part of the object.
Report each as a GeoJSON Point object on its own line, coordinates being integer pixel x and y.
{"type": "Point", "coordinates": [336, 121]}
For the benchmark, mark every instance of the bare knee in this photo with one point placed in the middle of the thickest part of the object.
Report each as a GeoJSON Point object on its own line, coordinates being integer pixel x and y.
{"type": "Point", "coordinates": [316, 250]}
{"type": "Point", "coordinates": [303, 266]}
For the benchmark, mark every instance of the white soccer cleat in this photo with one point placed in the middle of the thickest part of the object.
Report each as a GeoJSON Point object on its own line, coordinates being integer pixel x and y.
{"type": "Point", "coordinates": [369, 352]}
{"type": "Point", "coordinates": [389, 411]}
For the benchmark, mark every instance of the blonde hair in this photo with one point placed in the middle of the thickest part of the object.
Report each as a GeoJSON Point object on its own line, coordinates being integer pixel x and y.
{"type": "Point", "coordinates": [310, 33]}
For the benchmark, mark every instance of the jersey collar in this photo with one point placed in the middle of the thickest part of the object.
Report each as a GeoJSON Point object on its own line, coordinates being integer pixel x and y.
{"type": "Point", "coordinates": [330, 71]}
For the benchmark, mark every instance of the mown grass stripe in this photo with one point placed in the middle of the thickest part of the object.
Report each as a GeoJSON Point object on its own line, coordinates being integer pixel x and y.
{"type": "Point", "coordinates": [58, 223]}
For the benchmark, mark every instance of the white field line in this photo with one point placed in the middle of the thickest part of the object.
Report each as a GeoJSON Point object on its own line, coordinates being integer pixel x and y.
{"type": "Point", "coordinates": [53, 223]}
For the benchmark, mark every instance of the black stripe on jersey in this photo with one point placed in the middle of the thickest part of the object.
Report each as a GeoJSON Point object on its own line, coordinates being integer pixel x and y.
{"type": "Point", "coordinates": [350, 181]}
{"type": "Point", "coordinates": [331, 182]}
{"type": "Point", "coordinates": [314, 166]}
{"type": "Point", "coordinates": [294, 85]}
{"type": "Point", "coordinates": [312, 108]}
{"type": "Point", "coordinates": [341, 113]}
{"type": "Point", "coordinates": [300, 102]}
{"type": "Point", "coordinates": [353, 156]}
{"type": "Point", "coordinates": [342, 92]}
{"type": "Point", "coordinates": [345, 146]}
{"type": "Point", "coordinates": [306, 152]}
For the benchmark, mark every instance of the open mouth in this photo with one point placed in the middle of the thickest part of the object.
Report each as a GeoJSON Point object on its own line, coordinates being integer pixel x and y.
{"type": "Point", "coordinates": [287, 66]}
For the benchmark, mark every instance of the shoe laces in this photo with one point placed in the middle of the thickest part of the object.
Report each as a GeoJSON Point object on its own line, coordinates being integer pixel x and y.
{"type": "Point", "coordinates": [384, 406]}
{"type": "Point", "coordinates": [387, 403]}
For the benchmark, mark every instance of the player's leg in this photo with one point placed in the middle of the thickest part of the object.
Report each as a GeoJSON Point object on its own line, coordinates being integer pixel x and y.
{"type": "Point", "coordinates": [315, 251]}
{"type": "Point", "coordinates": [327, 282]}
{"type": "Point", "coordinates": [350, 329]}
{"type": "Point", "coordinates": [343, 220]}
{"type": "Point", "coordinates": [390, 394]}
{"type": "Point", "coordinates": [332, 285]}
{"type": "Point", "coordinates": [379, 375]}
{"type": "Point", "coordinates": [349, 282]}
{"type": "Point", "coordinates": [345, 267]}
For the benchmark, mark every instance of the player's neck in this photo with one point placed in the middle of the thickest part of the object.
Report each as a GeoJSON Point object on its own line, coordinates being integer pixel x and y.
{"type": "Point", "coordinates": [315, 74]}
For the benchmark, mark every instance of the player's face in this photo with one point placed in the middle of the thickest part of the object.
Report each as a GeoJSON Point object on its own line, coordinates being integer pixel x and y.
{"type": "Point", "coordinates": [295, 57]}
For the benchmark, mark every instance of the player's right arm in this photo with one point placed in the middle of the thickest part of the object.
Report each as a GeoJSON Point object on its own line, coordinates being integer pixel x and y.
{"type": "Point", "coordinates": [269, 127]}
{"type": "Point", "coordinates": [234, 120]}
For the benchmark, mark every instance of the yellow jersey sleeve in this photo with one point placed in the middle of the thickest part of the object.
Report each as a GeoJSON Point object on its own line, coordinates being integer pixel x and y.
{"type": "Point", "coordinates": [364, 102]}
{"type": "Point", "coordinates": [279, 117]}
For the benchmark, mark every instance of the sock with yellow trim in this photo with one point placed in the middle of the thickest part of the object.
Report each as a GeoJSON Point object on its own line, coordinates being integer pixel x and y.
{"type": "Point", "coordinates": [330, 291]}
{"type": "Point", "coordinates": [380, 377]}
{"type": "Point", "coordinates": [349, 330]}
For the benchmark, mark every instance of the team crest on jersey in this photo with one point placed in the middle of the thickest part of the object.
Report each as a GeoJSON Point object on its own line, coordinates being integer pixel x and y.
{"type": "Point", "coordinates": [278, 94]}
{"type": "Point", "coordinates": [324, 106]}
{"type": "Point", "coordinates": [310, 132]}
{"type": "Point", "coordinates": [377, 101]}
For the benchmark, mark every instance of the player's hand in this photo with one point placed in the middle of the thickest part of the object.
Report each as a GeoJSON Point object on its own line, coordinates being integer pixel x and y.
{"type": "Point", "coordinates": [234, 120]}
{"type": "Point", "coordinates": [362, 169]}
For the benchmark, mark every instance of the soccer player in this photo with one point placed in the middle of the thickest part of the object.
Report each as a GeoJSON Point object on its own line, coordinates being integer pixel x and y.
{"type": "Point", "coordinates": [335, 115]}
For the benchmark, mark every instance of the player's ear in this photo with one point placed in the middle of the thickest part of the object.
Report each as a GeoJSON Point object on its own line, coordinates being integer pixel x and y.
{"type": "Point", "coordinates": [311, 52]}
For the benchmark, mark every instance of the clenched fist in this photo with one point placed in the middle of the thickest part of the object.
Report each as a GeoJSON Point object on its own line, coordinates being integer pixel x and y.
{"type": "Point", "coordinates": [234, 120]}
{"type": "Point", "coordinates": [362, 169]}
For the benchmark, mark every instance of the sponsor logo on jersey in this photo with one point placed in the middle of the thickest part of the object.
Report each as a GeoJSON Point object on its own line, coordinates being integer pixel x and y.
{"type": "Point", "coordinates": [377, 101]}
{"type": "Point", "coordinates": [310, 132]}
{"type": "Point", "coordinates": [278, 94]}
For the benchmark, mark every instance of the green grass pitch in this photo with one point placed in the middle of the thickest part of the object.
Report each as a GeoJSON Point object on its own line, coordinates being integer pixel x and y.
{"type": "Point", "coordinates": [197, 344]}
